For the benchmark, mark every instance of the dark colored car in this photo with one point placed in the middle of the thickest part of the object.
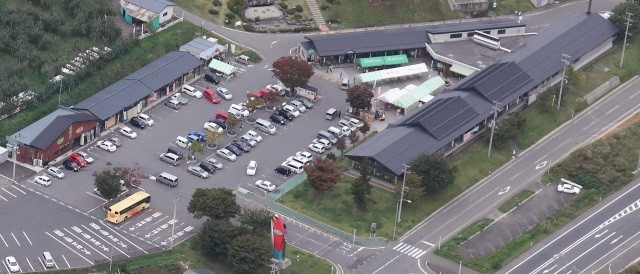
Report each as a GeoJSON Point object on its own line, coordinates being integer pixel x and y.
{"type": "Point", "coordinates": [283, 170]}
{"type": "Point", "coordinates": [70, 165]}
{"type": "Point", "coordinates": [208, 167]}
{"type": "Point", "coordinates": [242, 146]}
{"type": "Point", "coordinates": [246, 142]}
{"type": "Point", "coordinates": [308, 104]}
{"type": "Point", "coordinates": [175, 151]}
{"type": "Point", "coordinates": [212, 78]}
{"type": "Point", "coordinates": [278, 119]}
{"type": "Point", "coordinates": [197, 136]}
{"type": "Point", "coordinates": [235, 150]}
{"type": "Point", "coordinates": [220, 122]}
{"type": "Point", "coordinates": [137, 122]}
{"type": "Point", "coordinates": [284, 114]}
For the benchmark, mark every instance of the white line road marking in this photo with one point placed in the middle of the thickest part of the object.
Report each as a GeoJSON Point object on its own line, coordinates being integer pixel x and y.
{"type": "Point", "coordinates": [86, 244]}
{"type": "Point", "coordinates": [506, 189]}
{"type": "Point", "coordinates": [603, 232]}
{"type": "Point", "coordinates": [514, 176]}
{"type": "Point", "coordinates": [616, 239]}
{"type": "Point", "coordinates": [41, 262]}
{"type": "Point", "coordinates": [65, 259]}
{"type": "Point", "coordinates": [385, 264]}
{"type": "Point", "coordinates": [613, 109]}
{"type": "Point", "coordinates": [634, 94]}
{"type": "Point", "coordinates": [55, 264]}
{"type": "Point", "coordinates": [429, 243]}
{"type": "Point", "coordinates": [613, 250]}
{"type": "Point", "coordinates": [399, 246]}
{"type": "Point", "coordinates": [414, 252]}
{"type": "Point", "coordinates": [104, 240]}
{"type": "Point", "coordinates": [265, 67]}
{"type": "Point", "coordinates": [18, 189]}
{"type": "Point", "coordinates": [564, 142]}
{"type": "Point", "coordinates": [5, 242]}
{"type": "Point", "coordinates": [14, 237]}
{"type": "Point", "coordinates": [541, 158]}
{"type": "Point", "coordinates": [587, 126]}
{"type": "Point", "coordinates": [420, 254]}
{"type": "Point", "coordinates": [3, 198]}
{"type": "Point", "coordinates": [396, 247]}
{"type": "Point", "coordinates": [25, 235]}
{"type": "Point", "coordinates": [30, 264]}
{"type": "Point", "coordinates": [583, 253]}
{"type": "Point", "coordinates": [273, 43]}
{"type": "Point", "coordinates": [14, 196]}
{"type": "Point", "coordinates": [541, 165]}
{"type": "Point", "coordinates": [554, 266]}
{"type": "Point", "coordinates": [122, 237]}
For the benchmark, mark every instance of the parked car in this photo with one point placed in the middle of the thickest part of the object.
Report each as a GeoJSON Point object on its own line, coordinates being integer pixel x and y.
{"type": "Point", "coordinates": [357, 123]}
{"type": "Point", "coordinates": [146, 119]}
{"type": "Point", "coordinates": [106, 145]}
{"type": "Point", "coordinates": [292, 110]}
{"type": "Point", "coordinates": [308, 104]}
{"type": "Point", "coordinates": [179, 98]}
{"type": "Point", "coordinates": [278, 119]}
{"type": "Point", "coordinates": [304, 155]}
{"type": "Point", "coordinates": [197, 136]}
{"type": "Point", "coordinates": [55, 172]}
{"type": "Point", "coordinates": [568, 188]}
{"type": "Point", "coordinates": [299, 105]}
{"type": "Point", "coordinates": [215, 163]}
{"type": "Point", "coordinates": [137, 122]}
{"type": "Point", "coordinates": [213, 127]}
{"type": "Point", "coordinates": [198, 171]}
{"type": "Point", "coordinates": [12, 264]}
{"type": "Point", "coordinates": [266, 185]}
{"type": "Point", "coordinates": [78, 160]}
{"type": "Point", "coordinates": [43, 180]}
{"type": "Point", "coordinates": [324, 142]}
{"type": "Point", "coordinates": [173, 104]}
{"type": "Point", "coordinates": [85, 156]}
{"type": "Point", "coordinates": [238, 111]}
{"type": "Point", "coordinates": [226, 154]}
{"type": "Point", "coordinates": [345, 123]}
{"type": "Point", "coordinates": [176, 151]}
{"type": "Point", "coordinates": [210, 95]}
{"type": "Point", "coordinates": [317, 148]}
{"type": "Point", "coordinates": [208, 167]}
{"type": "Point", "coordinates": [212, 78]}
{"type": "Point", "coordinates": [69, 165]}
{"type": "Point", "coordinates": [241, 145]}
{"type": "Point", "coordinates": [248, 140]}
{"type": "Point", "coordinates": [277, 89]}
{"type": "Point", "coordinates": [252, 167]}
{"type": "Point", "coordinates": [224, 93]}
{"type": "Point", "coordinates": [115, 141]}
{"type": "Point", "coordinates": [192, 91]}
{"type": "Point", "coordinates": [284, 114]}
{"type": "Point", "coordinates": [255, 136]}
{"type": "Point", "coordinates": [283, 170]}
{"type": "Point", "coordinates": [302, 160]}
{"type": "Point", "coordinates": [127, 131]}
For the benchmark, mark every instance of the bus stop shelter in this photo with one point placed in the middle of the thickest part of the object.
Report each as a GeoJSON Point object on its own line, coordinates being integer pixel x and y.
{"type": "Point", "coordinates": [386, 74]}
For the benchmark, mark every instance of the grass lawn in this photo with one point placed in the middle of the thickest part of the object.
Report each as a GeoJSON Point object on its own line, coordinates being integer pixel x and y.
{"type": "Point", "coordinates": [515, 200]}
{"type": "Point", "coordinates": [201, 7]}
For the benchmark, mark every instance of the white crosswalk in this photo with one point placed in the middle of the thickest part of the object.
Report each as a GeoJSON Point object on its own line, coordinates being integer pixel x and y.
{"type": "Point", "coordinates": [410, 250]}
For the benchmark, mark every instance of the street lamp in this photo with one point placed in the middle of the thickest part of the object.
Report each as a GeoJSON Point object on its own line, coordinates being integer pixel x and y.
{"type": "Point", "coordinates": [173, 222]}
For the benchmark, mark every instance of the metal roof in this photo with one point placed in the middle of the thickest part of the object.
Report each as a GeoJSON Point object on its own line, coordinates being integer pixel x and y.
{"type": "Point", "coordinates": [139, 84]}
{"type": "Point", "coordinates": [202, 48]}
{"type": "Point", "coordinates": [497, 82]}
{"type": "Point", "coordinates": [500, 23]}
{"type": "Point", "coordinates": [44, 132]}
{"type": "Point", "coordinates": [156, 6]}
{"type": "Point", "coordinates": [442, 115]}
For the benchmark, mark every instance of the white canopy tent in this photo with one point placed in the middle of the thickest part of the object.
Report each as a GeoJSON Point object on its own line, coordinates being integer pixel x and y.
{"type": "Point", "coordinates": [393, 94]}
{"type": "Point", "coordinates": [385, 74]}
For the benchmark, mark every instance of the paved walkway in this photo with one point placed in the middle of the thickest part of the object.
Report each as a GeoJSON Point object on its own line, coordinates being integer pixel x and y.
{"type": "Point", "coordinates": [317, 15]}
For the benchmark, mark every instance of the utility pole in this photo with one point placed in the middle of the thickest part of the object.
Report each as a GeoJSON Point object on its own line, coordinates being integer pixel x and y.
{"type": "Point", "coordinates": [493, 126]}
{"type": "Point", "coordinates": [60, 94]}
{"type": "Point", "coordinates": [626, 33]}
{"type": "Point", "coordinates": [173, 222]}
{"type": "Point", "coordinates": [399, 204]}
{"type": "Point", "coordinates": [566, 62]}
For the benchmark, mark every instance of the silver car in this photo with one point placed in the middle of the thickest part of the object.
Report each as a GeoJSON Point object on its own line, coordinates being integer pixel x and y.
{"type": "Point", "coordinates": [226, 154]}
{"type": "Point", "coordinates": [55, 172]}
{"type": "Point", "coordinates": [198, 171]}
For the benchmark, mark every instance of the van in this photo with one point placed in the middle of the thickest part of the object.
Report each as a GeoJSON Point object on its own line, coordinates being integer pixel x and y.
{"type": "Point", "coordinates": [331, 114]}
{"type": "Point", "coordinates": [167, 179]}
{"type": "Point", "coordinates": [146, 119]}
{"type": "Point", "coordinates": [191, 91]}
{"type": "Point", "coordinates": [266, 126]}
{"type": "Point", "coordinates": [212, 78]}
{"type": "Point", "coordinates": [345, 83]}
{"type": "Point", "coordinates": [242, 59]}
{"type": "Point", "coordinates": [47, 259]}
{"type": "Point", "coordinates": [345, 123]}
{"type": "Point", "coordinates": [335, 131]}
{"type": "Point", "coordinates": [326, 135]}
{"type": "Point", "coordinates": [170, 158]}
{"type": "Point", "coordinates": [182, 142]}
{"type": "Point", "coordinates": [295, 166]}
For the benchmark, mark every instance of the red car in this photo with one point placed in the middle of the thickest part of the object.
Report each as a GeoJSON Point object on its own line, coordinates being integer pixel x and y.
{"type": "Point", "coordinates": [261, 92]}
{"type": "Point", "coordinates": [210, 95]}
{"type": "Point", "coordinates": [79, 160]}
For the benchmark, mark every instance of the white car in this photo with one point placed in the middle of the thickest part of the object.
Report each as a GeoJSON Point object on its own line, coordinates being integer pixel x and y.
{"type": "Point", "coordinates": [291, 110]}
{"type": "Point", "coordinates": [127, 131]}
{"type": "Point", "coordinates": [12, 264]}
{"type": "Point", "coordinates": [55, 172]}
{"type": "Point", "coordinates": [106, 145]}
{"type": "Point", "coordinates": [249, 140]}
{"type": "Point", "coordinates": [191, 91]}
{"type": "Point", "coordinates": [301, 160]}
{"type": "Point", "coordinates": [224, 93]}
{"type": "Point", "coordinates": [299, 105]}
{"type": "Point", "coordinates": [213, 127]}
{"type": "Point", "coordinates": [226, 154]}
{"type": "Point", "coordinates": [43, 180]}
{"type": "Point", "coordinates": [266, 185]}
{"type": "Point", "coordinates": [146, 119]}
{"type": "Point", "coordinates": [357, 123]}
{"type": "Point", "coordinates": [317, 148]}
{"type": "Point", "coordinates": [277, 89]}
{"type": "Point", "coordinates": [568, 188]}
{"type": "Point", "coordinates": [251, 168]}
{"type": "Point", "coordinates": [304, 155]}
{"type": "Point", "coordinates": [255, 136]}
{"type": "Point", "coordinates": [85, 156]}
{"type": "Point", "coordinates": [324, 142]}
{"type": "Point", "coordinates": [238, 111]}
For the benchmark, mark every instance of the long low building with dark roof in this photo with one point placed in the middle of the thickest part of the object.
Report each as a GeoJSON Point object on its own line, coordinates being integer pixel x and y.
{"type": "Point", "coordinates": [454, 116]}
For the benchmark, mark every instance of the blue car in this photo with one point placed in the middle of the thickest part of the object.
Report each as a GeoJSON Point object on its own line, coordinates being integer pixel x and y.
{"type": "Point", "coordinates": [196, 136]}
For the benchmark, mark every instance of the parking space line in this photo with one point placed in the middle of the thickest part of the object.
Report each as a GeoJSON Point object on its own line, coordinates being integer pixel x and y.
{"type": "Point", "coordinates": [103, 199]}
{"type": "Point", "coordinates": [3, 198]}
{"type": "Point", "coordinates": [25, 235]}
{"type": "Point", "coordinates": [14, 196]}
{"type": "Point", "coordinates": [87, 244]}
{"type": "Point", "coordinates": [56, 264]}
{"type": "Point", "coordinates": [41, 263]}
{"type": "Point", "coordinates": [120, 235]}
{"type": "Point", "coordinates": [105, 240]}
{"type": "Point", "coordinates": [18, 189]}
{"type": "Point", "coordinates": [5, 242]}
{"type": "Point", "coordinates": [30, 264]}
{"type": "Point", "coordinates": [65, 259]}
{"type": "Point", "coordinates": [14, 237]}
{"type": "Point", "coordinates": [5, 266]}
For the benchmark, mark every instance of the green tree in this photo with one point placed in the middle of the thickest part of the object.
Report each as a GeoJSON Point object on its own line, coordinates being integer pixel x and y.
{"type": "Point", "coordinates": [413, 183]}
{"type": "Point", "coordinates": [131, 175]}
{"type": "Point", "coordinates": [322, 173]}
{"type": "Point", "coordinates": [292, 72]}
{"type": "Point", "coordinates": [232, 122]}
{"type": "Point", "coordinates": [510, 126]}
{"type": "Point", "coordinates": [108, 183]}
{"type": "Point", "coordinates": [215, 203]}
{"type": "Point", "coordinates": [215, 236]}
{"type": "Point", "coordinates": [196, 146]}
{"type": "Point", "coordinates": [213, 138]}
{"type": "Point", "coordinates": [546, 99]}
{"type": "Point", "coordinates": [619, 17]}
{"type": "Point", "coordinates": [259, 220]}
{"type": "Point", "coordinates": [361, 188]}
{"type": "Point", "coordinates": [353, 138]}
{"type": "Point", "coordinates": [359, 98]}
{"type": "Point", "coordinates": [341, 145]}
{"type": "Point", "coordinates": [249, 253]}
{"type": "Point", "coordinates": [436, 172]}
{"type": "Point", "coordinates": [364, 129]}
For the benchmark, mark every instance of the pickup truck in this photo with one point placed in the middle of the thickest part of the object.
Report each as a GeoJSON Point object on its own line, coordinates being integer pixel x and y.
{"type": "Point", "coordinates": [178, 97]}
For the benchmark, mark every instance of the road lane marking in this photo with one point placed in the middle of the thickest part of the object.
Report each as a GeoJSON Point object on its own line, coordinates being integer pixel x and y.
{"type": "Point", "coordinates": [5, 242]}
{"type": "Point", "coordinates": [614, 249]}
{"type": "Point", "coordinates": [598, 235]}
{"type": "Point", "coordinates": [515, 176]}
{"type": "Point", "coordinates": [385, 265]}
{"type": "Point", "coordinates": [608, 112]}
{"type": "Point", "coordinates": [564, 142]}
{"type": "Point", "coordinates": [554, 266]}
{"type": "Point", "coordinates": [541, 165]}
{"type": "Point", "coordinates": [14, 237]}
{"type": "Point", "coordinates": [104, 240]}
{"type": "Point", "coordinates": [419, 254]}
{"type": "Point", "coordinates": [616, 239]}
{"type": "Point", "coordinates": [583, 253]}
{"type": "Point", "coordinates": [25, 235]}
{"type": "Point", "coordinates": [506, 189]}
{"type": "Point", "coordinates": [86, 244]}
{"type": "Point", "coordinates": [120, 235]}
{"type": "Point", "coordinates": [541, 158]}
{"type": "Point", "coordinates": [14, 196]}
{"type": "Point", "coordinates": [397, 246]}
{"type": "Point", "coordinates": [429, 243]}
{"type": "Point", "coordinates": [65, 259]}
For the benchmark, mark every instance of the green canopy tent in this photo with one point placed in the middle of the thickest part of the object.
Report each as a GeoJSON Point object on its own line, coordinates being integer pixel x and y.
{"type": "Point", "coordinates": [222, 67]}
{"type": "Point", "coordinates": [383, 61]}
{"type": "Point", "coordinates": [410, 99]}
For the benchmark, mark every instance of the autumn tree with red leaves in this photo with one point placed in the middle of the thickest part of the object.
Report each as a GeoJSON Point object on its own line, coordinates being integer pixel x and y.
{"type": "Point", "coordinates": [292, 72]}
{"type": "Point", "coordinates": [322, 173]}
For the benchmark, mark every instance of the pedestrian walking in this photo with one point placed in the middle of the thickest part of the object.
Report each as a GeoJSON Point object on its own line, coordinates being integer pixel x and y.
{"type": "Point", "coordinates": [339, 114]}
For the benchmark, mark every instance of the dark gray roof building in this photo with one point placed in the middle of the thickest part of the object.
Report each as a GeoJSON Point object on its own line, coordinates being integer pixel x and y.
{"type": "Point", "coordinates": [455, 112]}
{"type": "Point", "coordinates": [139, 84]}
{"type": "Point", "coordinates": [475, 25]}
